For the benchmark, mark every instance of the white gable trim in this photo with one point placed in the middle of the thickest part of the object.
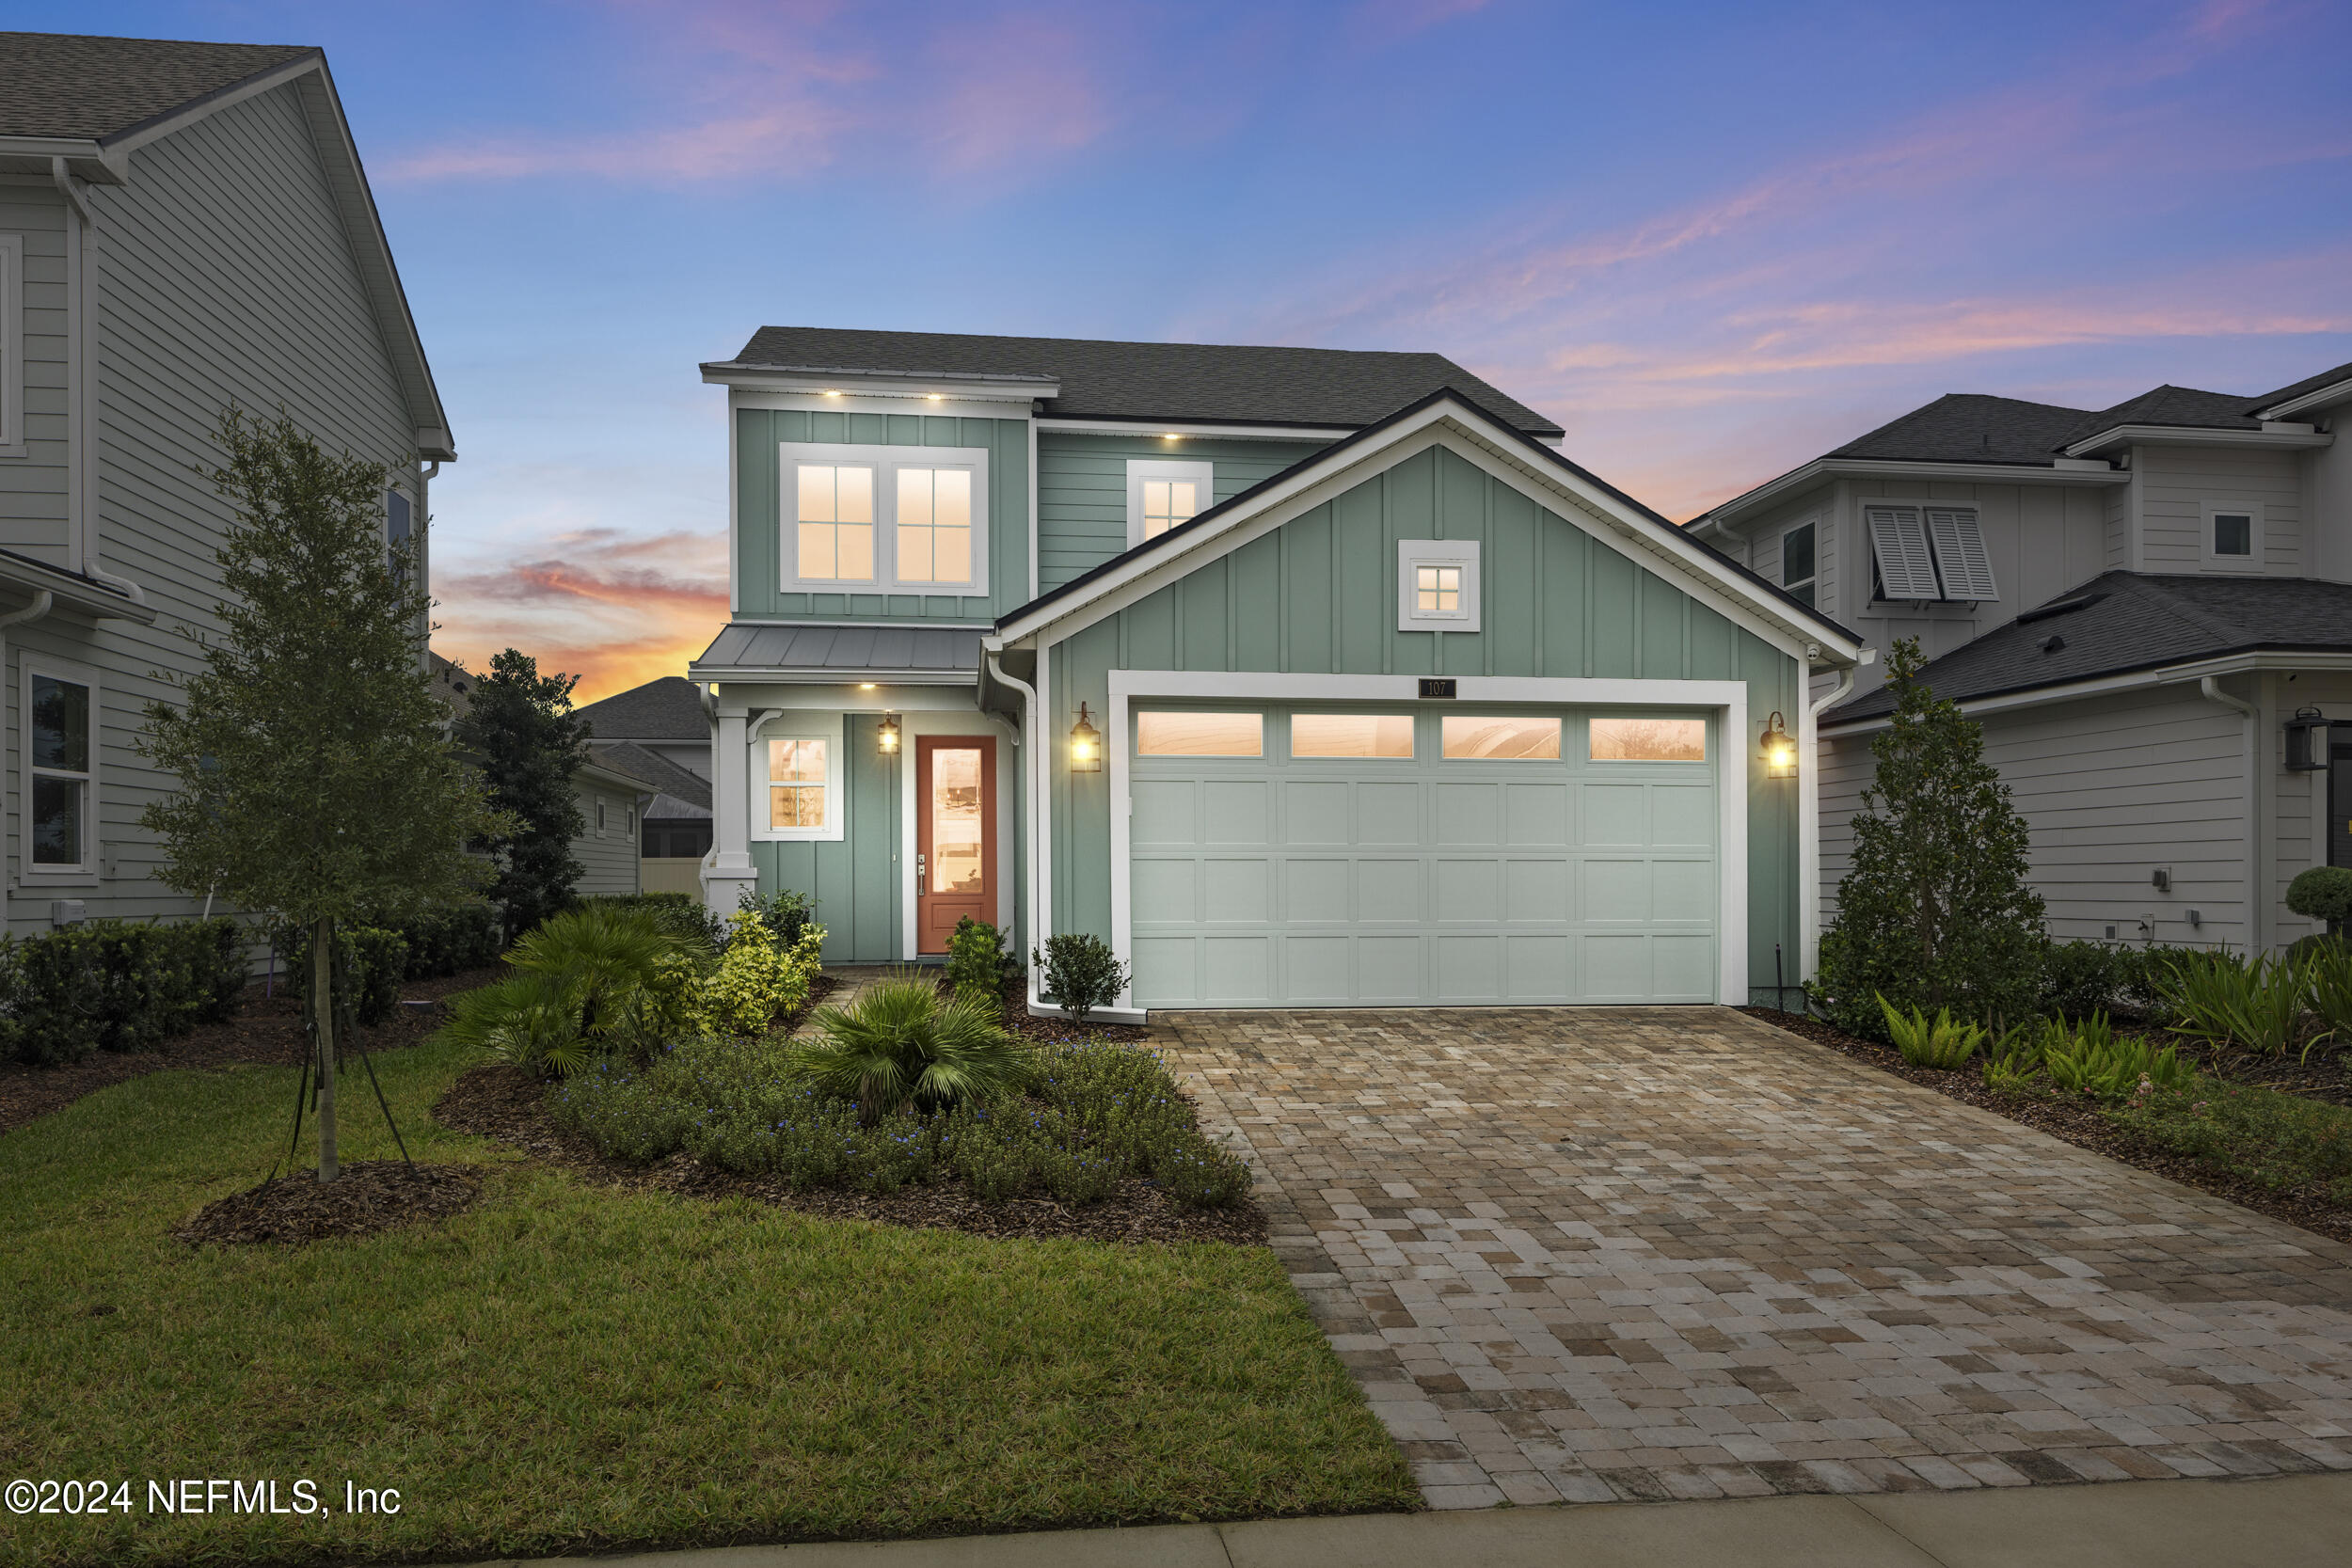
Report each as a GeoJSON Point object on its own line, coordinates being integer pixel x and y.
{"type": "Point", "coordinates": [1691, 567]}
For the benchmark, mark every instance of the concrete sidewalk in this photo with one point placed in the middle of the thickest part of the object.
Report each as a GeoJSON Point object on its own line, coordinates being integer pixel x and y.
{"type": "Point", "coordinates": [2279, 1522]}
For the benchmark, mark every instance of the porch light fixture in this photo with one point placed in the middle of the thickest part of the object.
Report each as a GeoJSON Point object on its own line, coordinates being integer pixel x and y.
{"type": "Point", "coordinates": [1780, 750]}
{"type": "Point", "coordinates": [2307, 741]}
{"type": "Point", "coordinates": [888, 737]}
{"type": "Point", "coordinates": [1086, 745]}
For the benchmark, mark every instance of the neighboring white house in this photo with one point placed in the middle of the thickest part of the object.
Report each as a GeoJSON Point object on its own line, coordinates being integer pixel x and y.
{"type": "Point", "coordinates": [660, 732]}
{"type": "Point", "coordinates": [2138, 603]}
{"type": "Point", "coordinates": [184, 227]}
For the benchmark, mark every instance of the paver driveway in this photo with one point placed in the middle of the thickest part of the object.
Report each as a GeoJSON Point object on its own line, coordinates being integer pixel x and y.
{"type": "Point", "coordinates": [1641, 1253]}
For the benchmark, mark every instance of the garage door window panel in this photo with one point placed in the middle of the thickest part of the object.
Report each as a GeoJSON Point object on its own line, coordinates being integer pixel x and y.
{"type": "Point", "coordinates": [1644, 739]}
{"type": "Point", "coordinates": [1353, 735]}
{"type": "Point", "coordinates": [1179, 733]}
{"type": "Point", "coordinates": [1501, 737]}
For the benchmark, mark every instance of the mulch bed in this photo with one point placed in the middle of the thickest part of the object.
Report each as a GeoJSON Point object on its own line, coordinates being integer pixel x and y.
{"type": "Point", "coordinates": [2080, 1121]}
{"type": "Point", "coordinates": [1034, 1026]}
{"type": "Point", "coordinates": [366, 1198]}
{"type": "Point", "coordinates": [266, 1029]}
{"type": "Point", "coordinates": [508, 1104]}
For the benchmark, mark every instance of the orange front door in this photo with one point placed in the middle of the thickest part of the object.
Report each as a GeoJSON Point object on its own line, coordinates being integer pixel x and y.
{"type": "Point", "coordinates": [954, 835]}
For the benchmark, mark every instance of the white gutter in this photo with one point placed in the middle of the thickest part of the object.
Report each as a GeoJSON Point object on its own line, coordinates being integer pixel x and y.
{"type": "Point", "coordinates": [1183, 428]}
{"type": "Point", "coordinates": [2277, 438]}
{"type": "Point", "coordinates": [82, 387]}
{"type": "Point", "coordinates": [1032, 827]}
{"type": "Point", "coordinates": [2323, 397]}
{"type": "Point", "coordinates": [2257, 906]}
{"type": "Point", "coordinates": [2064, 471]}
{"type": "Point", "coordinates": [2138, 680]}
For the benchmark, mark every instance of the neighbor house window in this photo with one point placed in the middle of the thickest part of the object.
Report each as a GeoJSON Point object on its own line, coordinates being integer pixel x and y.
{"type": "Point", "coordinates": [2234, 535]}
{"type": "Point", "coordinates": [914, 517]}
{"type": "Point", "coordinates": [1200, 735]}
{"type": "Point", "coordinates": [600, 827]}
{"type": "Point", "coordinates": [1162, 495]}
{"type": "Point", "coordinates": [1796, 562]}
{"type": "Point", "coordinates": [1352, 734]}
{"type": "Point", "coordinates": [60, 753]}
{"type": "Point", "coordinates": [1501, 737]}
{"type": "Point", "coordinates": [1646, 740]}
{"type": "Point", "coordinates": [1930, 554]}
{"type": "Point", "coordinates": [1436, 583]}
{"type": "Point", "coordinates": [12, 345]}
{"type": "Point", "coordinates": [797, 784]}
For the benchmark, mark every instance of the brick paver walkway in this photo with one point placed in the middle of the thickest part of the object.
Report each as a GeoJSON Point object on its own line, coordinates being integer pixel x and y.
{"type": "Point", "coordinates": [1652, 1253]}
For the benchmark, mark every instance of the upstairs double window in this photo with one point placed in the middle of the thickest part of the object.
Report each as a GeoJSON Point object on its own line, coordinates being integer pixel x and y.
{"type": "Point", "coordinates": [901, 519]}
{"type": "Point", "coordinates": [1927, 553]}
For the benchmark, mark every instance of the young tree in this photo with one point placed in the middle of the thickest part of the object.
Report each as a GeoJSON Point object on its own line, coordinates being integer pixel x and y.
{"type": "Point", "coordinates": [314, 777]}
{"type": "Point", "coordinates": [1935, 911]}
{"type": "Point", "coordinates": [529, 745]}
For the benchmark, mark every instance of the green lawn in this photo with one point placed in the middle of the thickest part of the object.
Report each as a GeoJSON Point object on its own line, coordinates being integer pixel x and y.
{"type": "Point", "coordinates": [571, 1367]}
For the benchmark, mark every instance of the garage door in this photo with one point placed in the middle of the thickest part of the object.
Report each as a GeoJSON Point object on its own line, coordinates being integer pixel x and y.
{"type": "Point", "coordinates": [1329, 856]}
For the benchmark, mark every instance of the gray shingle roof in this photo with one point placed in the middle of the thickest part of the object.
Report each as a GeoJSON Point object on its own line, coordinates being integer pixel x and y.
{"type": "Point", "coordinates": [1968, 427]}
{"type": "Point", "coordinates": [1202, 382]}
{"type": "Point", "coordinates": [683, 792]}
{"type": "Point", "coordinates": [2308, 384]}
{"type": "Point", "coordinates": [2128, 621]}
{"type": "Point", "coordinates": [670, 708]}
{"type": "Point", "coordinates": [70, 86]}
{"type": "Point", "coordinates": [867, 649]}
{"type": "Point", "coordinates": [2169, 405]}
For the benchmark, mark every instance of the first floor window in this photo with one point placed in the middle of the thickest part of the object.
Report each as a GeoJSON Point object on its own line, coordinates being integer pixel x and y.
{"type": "Point", "coordinates": [796, 783]}
{"type": "Point", "coordinates": [835, 512]}
{"type": "Point", "coordinates": [57, 757]}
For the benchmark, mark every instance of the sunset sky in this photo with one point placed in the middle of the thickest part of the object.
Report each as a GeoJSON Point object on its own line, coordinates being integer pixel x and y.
{"type": "Point", "coordinates": [1712, 239]}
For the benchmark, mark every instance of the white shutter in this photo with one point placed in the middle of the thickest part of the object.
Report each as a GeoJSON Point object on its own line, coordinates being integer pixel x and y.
{"type": "Point", "coordinates": [1959, 553]}
{"type": "Point", "coordinates": [1899, 540]}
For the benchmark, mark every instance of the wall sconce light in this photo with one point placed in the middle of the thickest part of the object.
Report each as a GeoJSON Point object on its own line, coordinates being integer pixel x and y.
{"type": "Point", "coordinates": [1780, 750]}
{"type": "Point", "coordinates": [1086, 745]}
{"type": "Point", "coordinates": [2307, 741]}
{"type": "Point", "coordinates": [888, 737]}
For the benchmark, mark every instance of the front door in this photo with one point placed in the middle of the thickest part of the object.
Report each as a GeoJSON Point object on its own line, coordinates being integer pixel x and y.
{"type": "Point", "coordinates": [954, 835]}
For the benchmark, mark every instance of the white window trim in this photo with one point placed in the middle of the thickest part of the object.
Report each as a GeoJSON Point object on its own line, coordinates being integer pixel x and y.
{"type": "Point", "coordinates": [800, 725]}
{"type": "Point", "coordinates": [1142, 469]}
{"type": "Point", "coordinates": [2249, 563]}
{"type": "Point", "coordinates": [86, 873]}
{"type": "Point", "coordinates": [1813, 580]}
{"type": "Point", "coordinates": [1412, 554]}
{"type": "Point", "coordinates": [12, 345]}
{"type": "Point", "coordinates": [885, 462]}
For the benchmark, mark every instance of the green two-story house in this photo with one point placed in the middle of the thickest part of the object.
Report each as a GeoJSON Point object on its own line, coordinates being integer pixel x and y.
{"type": "Point", "coordinates": [1303, 677]}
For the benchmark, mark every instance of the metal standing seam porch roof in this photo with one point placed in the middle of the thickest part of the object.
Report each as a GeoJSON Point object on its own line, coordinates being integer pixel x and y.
{"type": "Point", "coordinates": [841, 652]}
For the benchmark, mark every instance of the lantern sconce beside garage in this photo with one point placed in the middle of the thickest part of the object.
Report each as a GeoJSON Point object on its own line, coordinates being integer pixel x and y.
{"type": "Point", "coordinates": [1086, 745]}
{"type": "Point", "coordinates": [1780, 750]}
{"type": "Point", "coordinates": [2307, 741]}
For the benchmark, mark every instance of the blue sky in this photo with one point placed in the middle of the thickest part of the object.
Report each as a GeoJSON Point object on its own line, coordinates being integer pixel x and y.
{"type": "Point", "coordinates": [1712, 239]}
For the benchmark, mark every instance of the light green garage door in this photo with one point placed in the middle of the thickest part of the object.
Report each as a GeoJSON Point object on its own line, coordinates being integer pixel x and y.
{"type": "Point", "coordinates": [1324, 855]}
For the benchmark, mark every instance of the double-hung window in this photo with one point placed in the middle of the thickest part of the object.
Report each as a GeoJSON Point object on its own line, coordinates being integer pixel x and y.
{"type": "Point", "coordinates": [1162, 494]}
{"type": "Point", "coordinates": [798, 764]}
{"type": "Point", "coordinates": [60, 771]}
{"type": "Point", "coordinates": [1797, 565]}
{"type": "Point", "coordinates": [1930, 553]}
{"type": "Point", "coordinates": [884, 518]}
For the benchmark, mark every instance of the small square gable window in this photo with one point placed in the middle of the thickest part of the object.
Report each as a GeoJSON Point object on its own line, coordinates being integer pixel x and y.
{"type": "Point", "coordinates": [1436, 583]}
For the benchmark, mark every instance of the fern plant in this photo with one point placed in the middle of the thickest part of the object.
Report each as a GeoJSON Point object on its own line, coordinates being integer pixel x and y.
{"type": "Point", "coordinates": [1940, 1043]}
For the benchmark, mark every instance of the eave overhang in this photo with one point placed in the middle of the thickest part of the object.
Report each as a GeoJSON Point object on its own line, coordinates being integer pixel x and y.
{"type": "Point", "coordinates": [824, 380]}
{"type": "Point", "coordinates": [738, 674]}
{"type": "Point", "coordinates": [2290, 437]}
{"type": "Point", "coordinates": [1821, 469]}
{"type": "Point", "coordinates": [2310, 402]}
{"type": "Point", "coordinates": [2227, 661]}
{"type": "Point", "coordinates": [69, 592]}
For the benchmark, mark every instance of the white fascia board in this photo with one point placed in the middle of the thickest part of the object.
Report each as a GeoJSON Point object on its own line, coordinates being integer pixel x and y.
{"type": "Point", "coordinates": [2189, 436]}
{"type": "Point", "coordinates": [1181, 427]}
{"type": "Point", "coordinates": [1454, 425]}
{"type": "Point", "coordinates": [1822, 470]}
{"type": "Point", "coordinates": [2136, 680]}
{"type": "Point", "coordinates": [2325, 396]}
{"type": "Point", "coordinates": [840, 388]}
{"type": "Point", "coordinates": [736, 674]}
{"type": "Point", "coordinates": [860, 400]}
{"type": "Point", "coordinates": [211, 104]}
{"type": "Point", "coordinates": [85, 159]}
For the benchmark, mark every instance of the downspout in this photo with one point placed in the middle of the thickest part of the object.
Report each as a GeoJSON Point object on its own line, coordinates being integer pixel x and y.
{"type": "Point", "coordinates": [2256, 906]}
{"type": "Point", "coordinates": [1032, 825]}
{"type": "Point", "coordinates": [42, 599]}
{"type": "Point", "coordinates": [82, 390]}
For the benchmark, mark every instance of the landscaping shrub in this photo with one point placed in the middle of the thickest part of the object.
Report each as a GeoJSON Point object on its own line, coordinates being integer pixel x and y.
{"type": "Point", "coordinates": [902, 1046]}
{"type": "Point", "coordinates": [2083, 1057]}
{"type": "Point", "coordinates": [2281, 1141]}
{"type": "Point", "coordinates": [2256, 1002]}
{"type": "Point", "coordinates": [976, 959]}
{"type": "Point", "coordinates": [758, 978]}
{"type": "Point", "coordinates": [1081, 974]}
{"type": "Point", "coordinates": [785, 913]}
{"type": "Point", "coordinates": [451, 940]}
{"type": "Point", "coordinates": [1936, 911]}
{"type": "Point", "coordinates": [2323, 893]}
{"type": "Point", "coordinates": [588, 979]}
{"type": "Point", "coordinates": [1096, 1114]}
{"type": "Point", "coordinates": [1939, 1042]}
{"type": "Point", "coordinates": [116, 984]}
{"type": "Point", "coordinates": [682, 914]}
{"type": "Point", "coordinates": [2327, 977]}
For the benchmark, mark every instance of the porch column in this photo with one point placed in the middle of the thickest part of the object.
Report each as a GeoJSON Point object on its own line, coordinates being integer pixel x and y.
{"type": "Point", "coordinates": [729, 873]}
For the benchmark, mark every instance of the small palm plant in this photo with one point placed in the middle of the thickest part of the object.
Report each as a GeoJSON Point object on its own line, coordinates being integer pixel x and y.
{"type": "Point", "coordinates": [584, 978]}
{"type": "Point", "coordinates": [902, 1045]}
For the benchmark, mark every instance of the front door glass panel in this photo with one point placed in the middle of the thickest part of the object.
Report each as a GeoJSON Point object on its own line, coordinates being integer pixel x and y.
{"type": "Point", "coordinates": [955, 808]}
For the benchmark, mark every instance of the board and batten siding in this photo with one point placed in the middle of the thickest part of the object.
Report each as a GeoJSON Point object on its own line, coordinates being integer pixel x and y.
{"type": "Point", "coordinates": [1319, 595]}
{"type": "Point", "coordinates": [2175, 484]}
{"type": "Point", "coordinates": [2110, 789]}
{"type": "Point", "coordinates": [759, 435]}
{"type": "Point", "coordinates": [33, 517]}
{"type": "Point", "coordinates": [1082, 489]}
{"type": "Point", "coordinates": [224, 276]}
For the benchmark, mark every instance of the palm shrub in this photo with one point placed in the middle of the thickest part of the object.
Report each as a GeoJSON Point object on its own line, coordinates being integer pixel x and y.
{"type": "Point", "coordinates": [902, 1045]}
{"type": "Point", "coordinates": [586, 979]}
{"type": "Point", "coordinates": [1935, 912]}
{"type": "Point", "coordinates": [1939, 1042]}
{"type": "Point", "coordinates": [976, 959]}
{"type": "Point", "coordinates": [2256, 1002]}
